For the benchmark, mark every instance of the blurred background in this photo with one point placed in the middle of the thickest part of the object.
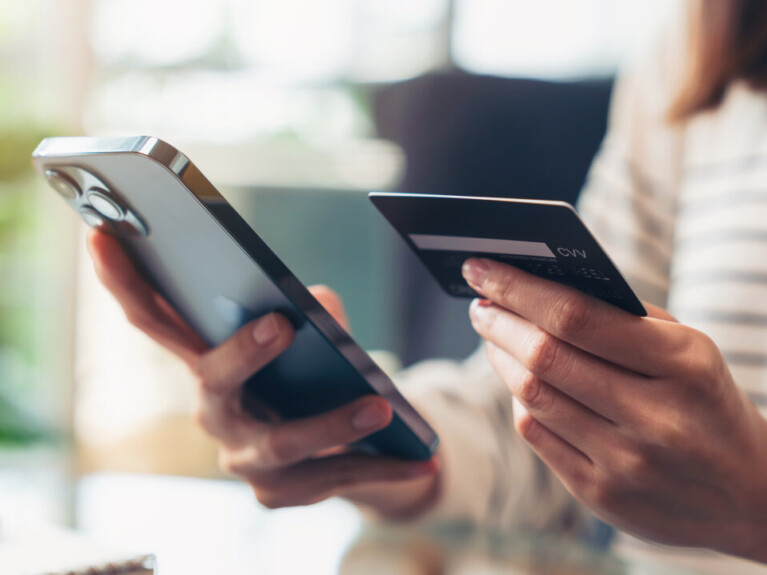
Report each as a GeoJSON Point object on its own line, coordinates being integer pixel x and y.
{"type": "Point", "coordinates": [295, 109]}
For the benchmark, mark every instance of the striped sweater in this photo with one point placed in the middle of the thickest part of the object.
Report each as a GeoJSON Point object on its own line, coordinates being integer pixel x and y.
{"type": "Point", "coordinates": [682, 210]}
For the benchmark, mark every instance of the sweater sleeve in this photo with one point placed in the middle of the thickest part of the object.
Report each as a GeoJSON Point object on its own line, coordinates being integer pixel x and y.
{"type": "Point", "coordinates": [490, 476]}
{"type": "Point", "coordinates": [629, 200]}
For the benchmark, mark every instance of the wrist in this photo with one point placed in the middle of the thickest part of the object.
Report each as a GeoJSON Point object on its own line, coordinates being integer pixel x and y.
{"type": "Point", "coordinates": [400, 501]}
{"type": "Point", "coordinates": [748, 540]}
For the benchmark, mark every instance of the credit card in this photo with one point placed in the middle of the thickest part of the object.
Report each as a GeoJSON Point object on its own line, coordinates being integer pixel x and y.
{"type": "Point", "coordinates": [546, 239]}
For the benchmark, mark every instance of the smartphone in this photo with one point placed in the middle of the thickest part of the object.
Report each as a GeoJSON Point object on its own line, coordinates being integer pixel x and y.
{"type": "Point", "coordinates": [545, 238]}
{"type": "Point", "coordinates": [193, 247]}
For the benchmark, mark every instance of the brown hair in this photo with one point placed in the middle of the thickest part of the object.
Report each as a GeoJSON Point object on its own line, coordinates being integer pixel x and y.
{"type": "Point", "coordinates": [728, 43]}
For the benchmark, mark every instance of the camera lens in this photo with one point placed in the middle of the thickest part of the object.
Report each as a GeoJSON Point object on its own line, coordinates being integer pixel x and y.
{"type": "Point", "coordinates": [91, 217]}
{"type": "Point", "coordinates": [63, 184]}
{"type": "Point", "coordinates": [105, 205]}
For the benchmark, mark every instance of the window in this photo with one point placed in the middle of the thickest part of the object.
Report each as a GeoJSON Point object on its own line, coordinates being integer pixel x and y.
{"type": "Point", "coordinates": [556, 39]}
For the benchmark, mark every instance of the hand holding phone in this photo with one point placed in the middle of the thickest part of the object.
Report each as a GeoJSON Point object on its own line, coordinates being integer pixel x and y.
{"type": "Point", "coordinates": [286, 462]}
{"type": "Point", "coordinates": [213, 269]}
{"type": "Point", "coordinates": [298, 408]}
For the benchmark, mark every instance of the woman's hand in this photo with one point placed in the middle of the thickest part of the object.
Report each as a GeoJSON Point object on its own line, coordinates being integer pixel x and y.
{"type": "Point", "coordinates": [286, 462]}
{"type": "Point", "coordinates": [639, 417]}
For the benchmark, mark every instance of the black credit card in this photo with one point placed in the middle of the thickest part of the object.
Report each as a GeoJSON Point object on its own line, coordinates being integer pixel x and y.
{"type": "Point", "coordinates": [546, 239]}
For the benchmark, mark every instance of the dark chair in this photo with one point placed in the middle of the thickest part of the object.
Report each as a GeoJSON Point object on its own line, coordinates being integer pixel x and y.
{"type": "Point", "coordinates": [484, 136]}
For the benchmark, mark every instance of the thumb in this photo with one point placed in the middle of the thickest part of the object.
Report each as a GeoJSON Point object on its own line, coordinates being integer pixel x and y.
{"type": "Point", "coordinates": [659, 313]}
{"type": "Point", "coordinates": [331, 301]}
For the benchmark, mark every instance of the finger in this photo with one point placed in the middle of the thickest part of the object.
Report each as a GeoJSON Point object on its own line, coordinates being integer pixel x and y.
{"type": "Point", "coordinates": [140, 302]}
{"type": "Point", "coordinates": [659, 313]}
{"type": "Point", "coordinates": [332, 302]}
{"type": "Point", "coordinates": [317, 479]}
{"type": "Point", "coordinates": [288, 442]}
{"type": "Point", "coordinates": [586, 431]}
{"type": "Point", "coordinates": [570, 465]}
{"type": "Point", "coordinates": [584, 321]}
{"type": "Point", "coordinates": [224, 369]}
{"type": "Point", "coordinates": [222, 410]}
{"type": "Point", "coordinates": [607, 389]}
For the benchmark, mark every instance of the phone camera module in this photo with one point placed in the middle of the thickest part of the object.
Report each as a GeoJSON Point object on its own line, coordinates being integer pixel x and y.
{"type": "Point", "coordinates": [63, 184]}
{"type": "Point", "coordinates": [105, 205]}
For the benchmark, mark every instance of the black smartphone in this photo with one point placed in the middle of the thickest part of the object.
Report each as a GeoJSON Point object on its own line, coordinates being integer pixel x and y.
{"type": "Point", "coordinates": [195, 249]}
{"type": "Point", "coordinates": [545, 238]}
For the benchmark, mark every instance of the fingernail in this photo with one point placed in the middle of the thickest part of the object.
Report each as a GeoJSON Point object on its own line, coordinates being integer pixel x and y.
{"type": "Point", "coordinates": [369, 417]}
{"type": "Point", "coordinates": [479, 308]}
{"type": "Point", "coordinates": [266, 330]}
{"type": "Point", "coordinates": [481, 302]}
{"type": "Point", "coordinates": [475, 272]}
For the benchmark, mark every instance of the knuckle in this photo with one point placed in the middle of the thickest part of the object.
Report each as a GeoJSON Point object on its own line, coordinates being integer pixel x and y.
{"type": "Point", "coordinates": [138, 319]}
{"type": "Point", "coordinates": [604, 495]}
{"type": "Point", "coordinates": [528, 428]}
{"type": "Point", "coordinates": [345, 474]}
{"type": "Point", "coordinates": [200, 368]}
{"type": "Point", "coordinates": [636, 468]}
{"type": "Point", "coordinates": [712, 368]}
{"type": "Point", "coordinates": [202, 419]}
{"type": "Point", "coordinates": [535, 394]}
{"type": "Point", "coordinates": [701, 366]}
{"type": "Point", "coordinates": [689, 352]}
{"type": "Point", "coordinates": [571, 317]}
{"type": "Point", "coordinates": [270, 499]}
{"type": "Point", "coordinates": [238, 462]}
{"type": "Point", "coordinates": [227, 463]}
{"type": "Point", "coordinates": [607, 489]}
{"type": "Point", "coordinates": [579, 479]}
{"type": "Point", "coordinates": [542, 351]}
{"type": "Point", "coordinates": [504, 287]}
{"type": "Point", "coordinates": [672, 437]}
{"type": "Point", "coordinates": [684, 340]}
{"type": "Point", "coordinates": [275, 451]}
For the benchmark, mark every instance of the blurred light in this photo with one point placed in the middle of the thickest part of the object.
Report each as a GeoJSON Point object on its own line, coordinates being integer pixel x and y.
{"type": "Point", "coordinates": [553, 38]}
{"type": "Point", "coordinates": [295, 39]}
{"type": "Point", "coordinates": [222, 106]}
{"type": "Point", "coordinates": [16, 20]}
{"type": "Point", "coordinates": [404, 16]}
{"type": "Point", "coordinates": [155, 32]}
{"type": "Point", "coordinates": [399, 39]}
